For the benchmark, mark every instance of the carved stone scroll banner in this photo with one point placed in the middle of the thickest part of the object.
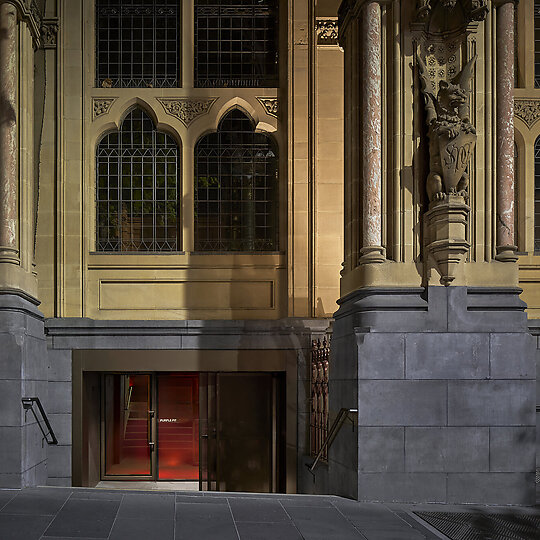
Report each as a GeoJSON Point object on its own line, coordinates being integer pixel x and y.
{"type": "Point", "coordinates": [101, 106]}
{"type": "Point", "coordinates": [271, 105]}
{"type": "Point", "coordinates": [327, 31]}
{"type": "Point", "coordinates": [187, 110]}
{"type": "Point", "coordinates": [527, 110]}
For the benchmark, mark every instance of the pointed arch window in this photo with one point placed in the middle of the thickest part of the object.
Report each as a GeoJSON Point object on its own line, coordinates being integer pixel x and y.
{"type": "Point", "coordinates": [537, 196]}
{"type": "Point", "coordinates": [236, 188]}
{"type": "Point", "coordinates": [137, 188]}
{"type": "Point", "coordinates": [137, 43]}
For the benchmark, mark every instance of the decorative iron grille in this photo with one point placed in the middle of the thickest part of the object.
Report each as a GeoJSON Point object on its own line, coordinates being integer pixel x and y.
{"type": "Point", "coordinates": [517, 209]}
{"type": "Point", "coordinates": [236, 188]}
{"type": "Point", "coordinates": [137, 43]}
{"type": "Point", "coordinates": [537, 43]}
{"type": "Point", "coordinates": [137, 188]}
{"type": "Point", "coordinates": [537, 196]}
{"type": "Point", "coordinates": [320, 356]}
{"type": "Point", "coordinates": [236, 43]}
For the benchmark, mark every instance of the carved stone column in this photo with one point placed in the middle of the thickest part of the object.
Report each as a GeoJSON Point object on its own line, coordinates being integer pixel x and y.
{"type": "Point", "coordinates": [372, 251]}
{"type": "Point", "coordinates": [8, 133]}
{"type": "Point", "coordinates": [505, 133]}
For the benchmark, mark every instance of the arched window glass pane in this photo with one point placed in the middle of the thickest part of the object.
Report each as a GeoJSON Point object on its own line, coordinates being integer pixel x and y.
{"type": "Point", "coordinates": [137, 188]}
{"type": "Point", "coordinates": [137, 43]}
{"type": "Point", "coordinates": [537, 196]}
{"type": "Point", "coordinates": [236, 189]}
{"type": "Point", "coordinates": [537, 43]}
{"type": "Point", "coordinates": [236, 43]}
{"type": "Point", "coordinates": [516, 196]}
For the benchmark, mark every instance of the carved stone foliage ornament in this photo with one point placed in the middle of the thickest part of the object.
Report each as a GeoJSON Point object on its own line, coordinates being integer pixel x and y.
{"type": "Point", "coordinates": [271, 105]}
{"type": "Point", "coordinates": [187, 109]}
{"type": "Point", "coordinates": [327, 31]}
{"type": "Point", "coordinates": [101, 106]}
{"type": "Point", "coordinates": [527, 110]}
{"type": "Point", "coordinates": [49, 33]}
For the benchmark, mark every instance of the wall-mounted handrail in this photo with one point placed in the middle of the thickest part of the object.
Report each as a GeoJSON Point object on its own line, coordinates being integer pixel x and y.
{"type": "Point", "coordinates": [28, 405]}
{"type": "Point", "coordinates": [332, 434]}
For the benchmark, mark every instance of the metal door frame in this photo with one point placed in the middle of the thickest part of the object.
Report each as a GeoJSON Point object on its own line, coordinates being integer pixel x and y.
{"type": "Point", "coordinates": [152, 436]}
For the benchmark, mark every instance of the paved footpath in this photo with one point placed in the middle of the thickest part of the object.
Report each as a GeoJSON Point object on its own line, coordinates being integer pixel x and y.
{"type": "Point", "coordinates": [49, 513]}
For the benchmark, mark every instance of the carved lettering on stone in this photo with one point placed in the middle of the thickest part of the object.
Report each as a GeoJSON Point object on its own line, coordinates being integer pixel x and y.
{"type": "Point", "coordinates": [101, 106]}
{"type": "Point", "coordinates": [452, 137]}
{"type": "Point", "coordinates": [271, 105]}
{"type": "Point", "coordinates": [527, 110]}
{"type": "Point", "coordinates": [327, 31]}
{"type": "Point", "coordinates": [187, 109]}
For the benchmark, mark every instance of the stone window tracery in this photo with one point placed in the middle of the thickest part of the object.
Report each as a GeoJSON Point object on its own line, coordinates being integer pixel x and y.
{"type": "Point", "coordinates": [137, 188]}
{"type": "Point", "coordinates": [537, 196]}
{"type": "Point", "coordinates": [236, 188]}
{"type": "Point", "coordinates": [137, 43]}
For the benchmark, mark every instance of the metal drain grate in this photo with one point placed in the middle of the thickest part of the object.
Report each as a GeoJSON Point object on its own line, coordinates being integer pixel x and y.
{"type": "Point", "coordinates": [537, 476]}
{"type": "Point", "coordinates": [484, 526]}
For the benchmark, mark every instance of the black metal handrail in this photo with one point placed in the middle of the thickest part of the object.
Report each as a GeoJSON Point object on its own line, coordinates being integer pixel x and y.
{"type": "Point", "coordinates": [332, 434]}
{"type": "Point", "coordinates": [28, 405]}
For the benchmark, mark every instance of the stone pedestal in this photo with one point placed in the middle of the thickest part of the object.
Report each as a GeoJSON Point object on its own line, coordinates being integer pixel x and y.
{"type": "Point", "coordinates": [446, 233]}
{"type": "Point", "coordinates": [23, 373]}
{"type": "Point", "coordinates": [444, 382]}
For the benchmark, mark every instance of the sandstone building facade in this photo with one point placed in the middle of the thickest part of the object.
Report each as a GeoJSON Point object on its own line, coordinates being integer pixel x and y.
{"type": "Point", "coordinates": [190, 190]}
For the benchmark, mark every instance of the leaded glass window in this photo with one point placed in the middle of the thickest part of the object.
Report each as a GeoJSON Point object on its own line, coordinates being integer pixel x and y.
{"type": "Point", "coordinates": [236, 188]}
{"type": "Point", "coordinates": [537, 43]}
{"type": "Point", "coordinates": [236, 43]}
{"type": "Point", "coordinates": [537, 196]}
{"type": "Point", "coordinates": [137, 43]}
{"type": "Point", "coordinates": [137, 188]}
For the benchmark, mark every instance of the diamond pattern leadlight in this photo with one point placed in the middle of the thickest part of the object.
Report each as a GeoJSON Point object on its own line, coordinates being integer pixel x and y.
{"type": "Point", "coordinates": [137, 43]}
{"type": "Point", "coordinates": [236, 43]}
{"type": "Point", "coordinates": [137, 187]}
{"type": "Point", "coordinates": [537, 196]}
{"type": "Point", "coordinates": [236, 188]}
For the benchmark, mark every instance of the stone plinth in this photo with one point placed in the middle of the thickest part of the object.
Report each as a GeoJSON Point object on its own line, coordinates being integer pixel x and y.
{"type": "Point", "coordinates": [444, 382]}
{"type": "Point", "coordinates": [446, 232]}
{"type": "Point", "coordinates": [23, 373]}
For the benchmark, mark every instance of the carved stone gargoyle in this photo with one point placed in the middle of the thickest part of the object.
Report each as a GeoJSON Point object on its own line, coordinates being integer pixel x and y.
{"type": "Point", "coordinates": [452, 137]}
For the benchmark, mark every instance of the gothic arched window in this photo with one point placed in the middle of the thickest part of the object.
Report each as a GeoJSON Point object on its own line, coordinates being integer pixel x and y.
{"type": "Point", "coordinates": [236, 43]}
{"type": "Point", "coordinates": [137, 43]}
{"type": "Point", "coordinates": [137, 188]}
{"type": "Point", "coordinates": [236, 188]}
{"type": "Point", "coordinates": [537, 196]}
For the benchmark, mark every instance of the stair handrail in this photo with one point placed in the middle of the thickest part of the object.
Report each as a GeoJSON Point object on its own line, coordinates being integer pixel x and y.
{"type": "Point", "coordinates": [126, 408]}
{"type": "Point", "coordinates": [343, 415]}
{"type": "Point", "coordinates": [28, 405]}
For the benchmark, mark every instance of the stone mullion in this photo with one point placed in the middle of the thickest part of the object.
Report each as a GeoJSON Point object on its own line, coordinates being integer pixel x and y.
{"type": "Point", "coordinates": [505, 133]}
{"type": "Point", "coordinates": [372, 250]}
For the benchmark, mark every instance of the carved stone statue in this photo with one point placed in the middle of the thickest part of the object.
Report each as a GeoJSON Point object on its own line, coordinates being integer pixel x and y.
{"type": "Point", "coordinates": [452, 137]}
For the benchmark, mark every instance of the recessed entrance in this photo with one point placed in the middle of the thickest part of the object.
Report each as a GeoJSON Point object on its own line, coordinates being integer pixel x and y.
{"type": "Point", "coordinates": [224, 430]}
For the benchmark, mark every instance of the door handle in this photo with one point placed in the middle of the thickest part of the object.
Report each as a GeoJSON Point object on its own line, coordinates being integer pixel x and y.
{"type": "Point", "coordinates": [151, 414]}
{"type": "Point", "coordinates": [152, 446]}
{"type": "Point", "coordinates": [204, 436]}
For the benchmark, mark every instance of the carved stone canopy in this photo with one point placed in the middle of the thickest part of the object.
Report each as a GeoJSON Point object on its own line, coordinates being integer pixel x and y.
{"type": "Point", "coordinates": [439, 17]}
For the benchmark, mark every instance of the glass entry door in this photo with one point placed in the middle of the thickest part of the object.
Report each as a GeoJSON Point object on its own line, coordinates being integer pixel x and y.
{"type": "Point", "coordinates": [127, 435]}
{"type": "Point", "coordinates": [178, 426]}
{"type": "Point", "coordinates": [150, 426]}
